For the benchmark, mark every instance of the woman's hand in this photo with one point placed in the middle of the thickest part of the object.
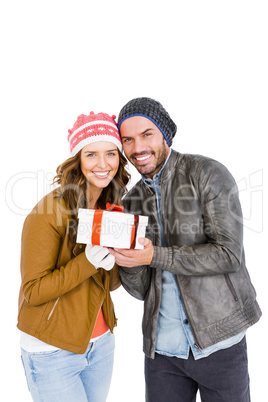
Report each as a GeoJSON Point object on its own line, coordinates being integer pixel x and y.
{"type": "Point", "coordinates": [99, 257]}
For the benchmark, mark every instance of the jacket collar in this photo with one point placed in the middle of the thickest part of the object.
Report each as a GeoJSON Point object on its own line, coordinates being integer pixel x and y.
{"type": "Point", "coordinates": [170, 165]}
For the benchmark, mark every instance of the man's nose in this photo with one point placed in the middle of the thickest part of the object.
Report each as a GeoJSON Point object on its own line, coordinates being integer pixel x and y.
{"type": "Point", "coordinates": [137, 147]}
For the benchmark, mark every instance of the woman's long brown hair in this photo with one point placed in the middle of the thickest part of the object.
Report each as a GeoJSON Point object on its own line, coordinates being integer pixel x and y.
{"type": "Point", "coordinates": [73, 186]}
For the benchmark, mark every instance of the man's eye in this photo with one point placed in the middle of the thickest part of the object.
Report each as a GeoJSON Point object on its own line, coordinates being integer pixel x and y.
{"type": "Point", "coordinates": [126, 139]}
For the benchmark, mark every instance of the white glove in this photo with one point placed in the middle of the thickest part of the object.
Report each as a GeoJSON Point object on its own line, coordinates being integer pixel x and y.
{"type": "Point", "coordinates": [99, 257]}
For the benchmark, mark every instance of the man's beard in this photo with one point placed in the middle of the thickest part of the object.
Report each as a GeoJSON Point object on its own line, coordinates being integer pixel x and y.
{"type": "Point", "coordinates": [159, 160]}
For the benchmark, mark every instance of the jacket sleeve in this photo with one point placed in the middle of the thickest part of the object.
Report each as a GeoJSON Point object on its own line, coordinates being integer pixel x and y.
{"type": "Point", "coordinates": [222, 224]}
{"type": "Point", "coordinates": [136, 280]}
{"type": "Point", "coordinates": [42, 278]}
{"type": "Point", "coordinates": [114, 278]}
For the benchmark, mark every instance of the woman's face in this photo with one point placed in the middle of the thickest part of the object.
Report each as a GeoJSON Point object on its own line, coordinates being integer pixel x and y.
{"type": "Point", "coordinates": [99, 163]}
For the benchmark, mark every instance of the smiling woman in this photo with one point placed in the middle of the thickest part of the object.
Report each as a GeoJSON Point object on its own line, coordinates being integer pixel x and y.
{"type": "Point", "coordinates": [99, 165]}
{"type": "Point", "coordinates": [66, 314]}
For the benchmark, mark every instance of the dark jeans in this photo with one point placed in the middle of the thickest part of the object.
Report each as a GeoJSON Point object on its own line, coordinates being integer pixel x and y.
{"type": "Point", "coordinates": [220, 377]}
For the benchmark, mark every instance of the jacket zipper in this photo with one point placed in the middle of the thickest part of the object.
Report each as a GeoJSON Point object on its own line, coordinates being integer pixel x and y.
{"type": "Point", "coordinates": [231, 286]}
{"type": "Point", "coordinates": [53, 308]}
{"type": "Point", "coordinates": [198, 347]}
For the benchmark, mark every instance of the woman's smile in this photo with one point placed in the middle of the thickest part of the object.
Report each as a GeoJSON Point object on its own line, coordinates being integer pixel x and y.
{"type": "Point", "coordinates": [102, 175]}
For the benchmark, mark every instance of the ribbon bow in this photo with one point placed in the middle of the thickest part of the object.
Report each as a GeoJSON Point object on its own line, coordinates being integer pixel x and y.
{"type": "Point", "coordinates": [114, 207]}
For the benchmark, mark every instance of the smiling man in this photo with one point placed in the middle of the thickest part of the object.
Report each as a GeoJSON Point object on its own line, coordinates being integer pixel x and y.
{"type": "Point", "coordinates": [191, 274]}
{"type": "Point", "coordinates": [144, 145]}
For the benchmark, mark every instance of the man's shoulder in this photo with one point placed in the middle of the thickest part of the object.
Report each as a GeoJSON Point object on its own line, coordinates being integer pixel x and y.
{"type": "Point", "coordinates": [188, 158]}
{"type": "Point", "coordinates": [194, 162]}
{"type": "Point", "coordinates": [203, 169]}
{"type": "Point", "coordinates": [186, 162]}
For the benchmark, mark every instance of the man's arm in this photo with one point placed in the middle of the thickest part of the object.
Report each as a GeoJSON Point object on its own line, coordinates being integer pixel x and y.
{"type": "Point", "coordinates": [134, 268]}
{"type": "Point", "coordinates": [222, 250]}
{"type": "Point", "coordinates": [222, 216]}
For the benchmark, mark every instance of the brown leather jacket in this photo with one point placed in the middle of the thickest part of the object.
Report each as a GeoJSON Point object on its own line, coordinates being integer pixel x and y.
{"type": "Point", "coordinates": [61, 292]}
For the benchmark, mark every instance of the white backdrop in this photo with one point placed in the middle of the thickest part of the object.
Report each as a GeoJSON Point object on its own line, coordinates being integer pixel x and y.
{"type": "Point", "coordinates": [205, 61]}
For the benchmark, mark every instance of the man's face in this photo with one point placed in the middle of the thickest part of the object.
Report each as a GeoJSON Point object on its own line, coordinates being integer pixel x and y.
{"type": "Point", "coordinates": [144, 145]}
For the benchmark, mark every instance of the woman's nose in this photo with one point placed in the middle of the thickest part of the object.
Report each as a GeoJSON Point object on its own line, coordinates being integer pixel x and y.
{"type": "Point", "coordinates": [102, 162]}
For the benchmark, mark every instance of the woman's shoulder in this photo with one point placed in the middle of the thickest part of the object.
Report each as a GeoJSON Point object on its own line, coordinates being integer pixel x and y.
{"type": "Point", "coordinates": [50, 209]}
{"type": "Point", "coordinates": [49, 202]}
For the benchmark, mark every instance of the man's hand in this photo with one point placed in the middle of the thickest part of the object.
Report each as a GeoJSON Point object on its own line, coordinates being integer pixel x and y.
{"type": "Point", "coordinates": [133, 258]}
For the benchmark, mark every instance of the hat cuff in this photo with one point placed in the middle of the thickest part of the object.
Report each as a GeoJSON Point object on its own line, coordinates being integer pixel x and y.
{"type": "Point", "coordinates": [96, 138]}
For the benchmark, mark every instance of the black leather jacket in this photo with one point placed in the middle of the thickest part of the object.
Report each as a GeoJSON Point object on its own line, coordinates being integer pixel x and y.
{"type": "Point", "coordinates": [203, 230]}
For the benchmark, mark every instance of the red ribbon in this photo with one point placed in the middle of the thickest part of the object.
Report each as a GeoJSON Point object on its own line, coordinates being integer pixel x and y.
{"type": "Point", "coordinates": [97, 220]}
{"type": "Point", "coordinates": [96, 227]}
{"type": "Point", "coordinates": [114, 207]}
{"type": "Point", "coordinates": [134, 231]}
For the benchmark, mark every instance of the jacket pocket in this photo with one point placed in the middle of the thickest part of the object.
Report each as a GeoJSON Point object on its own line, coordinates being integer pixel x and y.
{"type": "Point", "coordinates": [53, 308]}
{"type": "Point", "coordinates": [231, 286]}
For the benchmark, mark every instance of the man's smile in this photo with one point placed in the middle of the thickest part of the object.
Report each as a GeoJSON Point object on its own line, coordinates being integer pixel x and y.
{"type": "Point", "coordinates": [140, 159]}
{"type": "Point", "coordinates": [143, 158]}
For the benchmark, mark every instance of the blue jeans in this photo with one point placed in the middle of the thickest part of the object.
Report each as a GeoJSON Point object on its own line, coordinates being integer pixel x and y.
{"type": "Point", "coordinates": [220, 377]}
{"type": "Point", "coordinates": [69, 377]}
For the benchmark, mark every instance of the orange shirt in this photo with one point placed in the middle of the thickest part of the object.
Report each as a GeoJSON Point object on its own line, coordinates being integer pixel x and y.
{"type": "Point", "coordinates": [100, 327]}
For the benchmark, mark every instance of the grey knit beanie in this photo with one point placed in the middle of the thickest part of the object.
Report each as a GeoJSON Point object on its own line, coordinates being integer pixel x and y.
{"type": "Point", "coordinates": [154, 111]}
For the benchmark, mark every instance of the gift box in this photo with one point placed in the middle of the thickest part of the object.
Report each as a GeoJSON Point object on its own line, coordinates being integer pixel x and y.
{"type": "Point", "coordinates": [111, 228]}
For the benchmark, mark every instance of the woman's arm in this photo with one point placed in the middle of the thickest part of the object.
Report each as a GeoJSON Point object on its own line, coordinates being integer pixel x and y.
{"type": "Point", "coordinates": [43, 240]}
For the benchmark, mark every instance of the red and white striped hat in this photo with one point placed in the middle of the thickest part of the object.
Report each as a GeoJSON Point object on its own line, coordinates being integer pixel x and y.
{"type": "Point", "coordinates": [91, 128]}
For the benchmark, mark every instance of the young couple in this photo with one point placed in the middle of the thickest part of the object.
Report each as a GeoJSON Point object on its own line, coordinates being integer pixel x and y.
{"type": "Point", "coordinates": [198, 297]}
